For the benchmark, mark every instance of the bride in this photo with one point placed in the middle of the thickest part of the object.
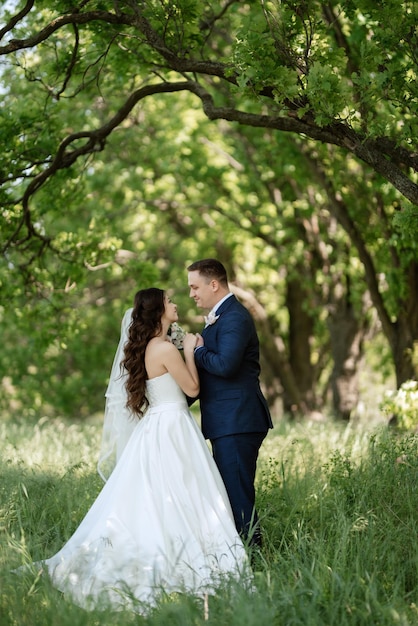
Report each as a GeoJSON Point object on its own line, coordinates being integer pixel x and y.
{"type": "Point", "coordinates": [162, 522]}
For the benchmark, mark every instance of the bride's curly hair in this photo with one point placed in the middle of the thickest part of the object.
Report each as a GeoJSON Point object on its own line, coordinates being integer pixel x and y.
{"type": "Point", "coordinates": [148, 310]}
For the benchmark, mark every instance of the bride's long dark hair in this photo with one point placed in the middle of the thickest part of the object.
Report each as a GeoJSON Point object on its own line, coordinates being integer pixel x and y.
{"type": "Point", "coordinates": [148, 310]}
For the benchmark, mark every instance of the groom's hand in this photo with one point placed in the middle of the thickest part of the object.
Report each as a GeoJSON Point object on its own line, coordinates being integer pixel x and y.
{"type": "Point", "coordinates": [189, 342]}
{"type": "Point", "coordinates": [199, 341]}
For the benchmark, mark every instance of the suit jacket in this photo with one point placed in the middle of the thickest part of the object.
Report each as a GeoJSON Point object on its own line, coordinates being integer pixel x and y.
{"type": "Point", "coordinates": [231, 400]}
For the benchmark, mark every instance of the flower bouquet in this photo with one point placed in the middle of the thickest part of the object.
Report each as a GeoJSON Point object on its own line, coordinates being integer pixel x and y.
{"type": "Point", "coordinates": [177, 335]}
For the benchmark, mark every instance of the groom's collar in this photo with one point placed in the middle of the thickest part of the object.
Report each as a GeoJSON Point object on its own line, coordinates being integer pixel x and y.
{"type": "Point", "coordinates": [218, 304]}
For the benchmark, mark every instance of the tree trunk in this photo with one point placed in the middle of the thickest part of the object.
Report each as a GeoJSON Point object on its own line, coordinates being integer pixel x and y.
{"type": "Point", "coordinates": [347, 334]}
{"type": "Point", "coordinates": [300, 338]}
{"type": "Point", "coordinates": [278, 376]}
{"type": "Point", "coordinates": [402, 334]}
{"type": "Point", "coordinates": [404, 338]}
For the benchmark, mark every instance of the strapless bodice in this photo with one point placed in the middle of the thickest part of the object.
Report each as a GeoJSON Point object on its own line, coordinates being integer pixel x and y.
{"type": "Point", "coordinates": [163, 389]}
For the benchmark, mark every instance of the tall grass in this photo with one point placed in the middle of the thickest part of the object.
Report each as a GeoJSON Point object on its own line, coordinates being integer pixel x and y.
{"type": "Point", "coordinates": [339, 513]}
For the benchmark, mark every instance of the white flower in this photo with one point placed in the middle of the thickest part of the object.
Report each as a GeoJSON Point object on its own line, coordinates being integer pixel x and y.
{"type": "Point", "coordinates": [211, 318]}
{"type": "Point", "coordinates": [177, 335]}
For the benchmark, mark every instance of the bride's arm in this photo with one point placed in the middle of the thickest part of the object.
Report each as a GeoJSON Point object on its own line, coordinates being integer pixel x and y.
{"type": "Point", "coordinates": [184, 371]}
{"type": "Point", "coordinates": [189, 344]}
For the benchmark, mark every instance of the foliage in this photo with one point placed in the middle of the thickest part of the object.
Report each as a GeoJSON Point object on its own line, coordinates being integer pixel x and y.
{"type": "Point", "coordinates": [141, 136]}
{"type": "Point", "coordinates": [406, 223]}
{"type": "Point", "coordinates": [338, 508]}
{"type": "Point", "coordinates": [401, 406]}
{"type": "Point", "coordinates": [52, 355]}
{"type": "Point", "coordinates": [275, 57]}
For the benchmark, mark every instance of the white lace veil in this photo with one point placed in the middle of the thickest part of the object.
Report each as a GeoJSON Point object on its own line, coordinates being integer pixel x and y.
{"type": "Point", "coordinates": [118, 422]}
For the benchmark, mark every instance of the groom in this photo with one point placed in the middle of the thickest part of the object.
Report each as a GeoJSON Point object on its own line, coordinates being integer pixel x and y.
{"type": "Point", "coordinates": [235, 415]}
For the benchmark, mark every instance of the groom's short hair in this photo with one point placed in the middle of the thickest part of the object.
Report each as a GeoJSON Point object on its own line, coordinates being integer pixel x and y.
{"type": "Point", "coordinates": [210, 268]}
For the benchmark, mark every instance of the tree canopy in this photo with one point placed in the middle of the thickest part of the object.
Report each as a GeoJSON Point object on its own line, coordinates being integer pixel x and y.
{"type": "Point", "coordinates": [278, 135]}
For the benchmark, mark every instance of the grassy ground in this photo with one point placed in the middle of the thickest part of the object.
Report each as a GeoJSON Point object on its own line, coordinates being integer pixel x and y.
{"type": "Point", "coordinates": [339, 508]}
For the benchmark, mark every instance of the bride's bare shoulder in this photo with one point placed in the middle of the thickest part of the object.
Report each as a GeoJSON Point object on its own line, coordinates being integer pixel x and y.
{"type": "Point", "coordinates": [158, 356]}
{"type": "Point", "coordinates": [158, 347]}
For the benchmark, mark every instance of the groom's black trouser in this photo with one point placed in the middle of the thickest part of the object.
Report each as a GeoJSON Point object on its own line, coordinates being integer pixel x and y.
{"type": "Point", "coordinates": [236, 458]}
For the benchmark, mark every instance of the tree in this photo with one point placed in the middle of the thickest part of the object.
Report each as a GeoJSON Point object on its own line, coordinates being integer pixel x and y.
{"type": "Point", "coordinates": [335, 78]}
{"type": "Point", "coordinates": [312, 68]}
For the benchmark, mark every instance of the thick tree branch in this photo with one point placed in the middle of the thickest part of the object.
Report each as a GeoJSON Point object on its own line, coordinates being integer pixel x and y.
{"type": "Point", "coordinates": [64, 20]}
{"type": "Point", "coordinates": [382, 154]}
{"type": "Point", "coordinates": [94, 141]}
{"type": "Point", "coordinates": [337, 134]}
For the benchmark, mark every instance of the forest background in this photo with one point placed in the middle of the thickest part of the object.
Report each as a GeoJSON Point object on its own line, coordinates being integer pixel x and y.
{"type": "Point", "coordinates": [279, 137]}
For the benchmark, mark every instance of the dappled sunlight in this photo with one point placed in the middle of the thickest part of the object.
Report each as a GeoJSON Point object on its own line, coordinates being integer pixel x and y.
{"type": "Point", "coordinates": [337, 507]}
{"type": "Point", "coordinates": [301, 446]}
{"type": "Point", "coordinates": [50, 444]}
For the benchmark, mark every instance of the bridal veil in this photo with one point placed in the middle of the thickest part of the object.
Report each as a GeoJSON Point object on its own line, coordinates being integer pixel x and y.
{"type": "Point", "coordinates": [118, 423]}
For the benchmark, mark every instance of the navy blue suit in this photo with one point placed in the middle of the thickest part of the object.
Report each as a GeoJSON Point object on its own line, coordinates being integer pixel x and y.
{"type": "Point", "coordinates": [235, 414]}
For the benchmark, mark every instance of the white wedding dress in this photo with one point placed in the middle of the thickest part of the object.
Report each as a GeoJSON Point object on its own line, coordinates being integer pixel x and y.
{"type": "Point", "coordinates": [162, 522]}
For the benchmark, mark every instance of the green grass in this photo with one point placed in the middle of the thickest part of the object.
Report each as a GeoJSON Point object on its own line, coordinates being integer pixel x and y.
{"type": "Point", "coordinates": [339, 508]}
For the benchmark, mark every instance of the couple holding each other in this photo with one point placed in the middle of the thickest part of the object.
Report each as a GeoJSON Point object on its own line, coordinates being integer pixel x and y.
{"type": "Point", "coordinates": [163, 521]}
